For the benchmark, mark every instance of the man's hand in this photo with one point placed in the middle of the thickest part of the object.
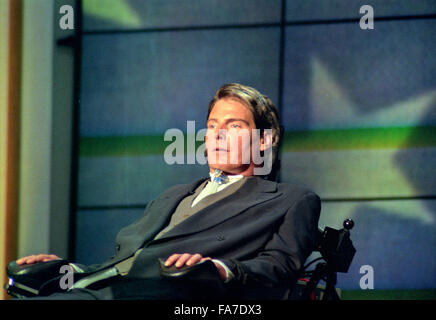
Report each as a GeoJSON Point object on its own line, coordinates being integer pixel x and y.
{"type": "Point", "coordinates": [179, 260]}
{"type": "Point", "coordinates": [37, 258]}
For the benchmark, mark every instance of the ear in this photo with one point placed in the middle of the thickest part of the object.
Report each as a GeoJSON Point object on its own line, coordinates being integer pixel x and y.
{"type": "Point", "coordinates": [266, 140]}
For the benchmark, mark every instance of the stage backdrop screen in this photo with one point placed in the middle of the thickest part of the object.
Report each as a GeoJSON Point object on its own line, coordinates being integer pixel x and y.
{"type": "Point", "coordinates": [358, 108]}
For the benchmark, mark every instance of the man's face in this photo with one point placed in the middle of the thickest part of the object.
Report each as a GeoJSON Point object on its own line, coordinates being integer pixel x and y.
{"type": "Point", "coordinates": [229, 137]}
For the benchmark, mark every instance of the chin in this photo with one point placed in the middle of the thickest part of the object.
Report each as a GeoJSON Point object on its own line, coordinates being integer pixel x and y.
{"type": "Point", "coordinates": [230, 168]}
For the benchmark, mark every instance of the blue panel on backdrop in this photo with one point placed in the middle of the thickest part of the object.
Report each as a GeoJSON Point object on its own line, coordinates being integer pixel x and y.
{"type": "Point", "coordinates": [139, 14]}
{"type": "Point", "coordinates": [309, 10]}
{"type": "Point", "coordinates": [96, 232]}
{"type": "Point", "coordinates": [339, 76]}
{"type": "Point", "coordinates": [114, 181]}
{"type": "Point", "coordinates": [146, 83]}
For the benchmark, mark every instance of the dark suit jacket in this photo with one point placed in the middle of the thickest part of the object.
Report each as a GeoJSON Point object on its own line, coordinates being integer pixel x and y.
{"type": "Point", "coordinates": [263, 232]}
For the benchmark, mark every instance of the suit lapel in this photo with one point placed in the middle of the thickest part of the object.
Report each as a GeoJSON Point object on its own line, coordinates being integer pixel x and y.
{"type": "Point", "coordinates": [159, 215]}
{"type": "Point", "coordinates": [253, 192]}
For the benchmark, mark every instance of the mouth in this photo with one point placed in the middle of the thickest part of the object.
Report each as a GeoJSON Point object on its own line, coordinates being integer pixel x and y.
{"type": "Point", "coordinates": [220, 150]}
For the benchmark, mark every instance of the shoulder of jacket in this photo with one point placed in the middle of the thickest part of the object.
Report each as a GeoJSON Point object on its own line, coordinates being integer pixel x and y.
{"type": "Point", "coordinates": [296, 190]}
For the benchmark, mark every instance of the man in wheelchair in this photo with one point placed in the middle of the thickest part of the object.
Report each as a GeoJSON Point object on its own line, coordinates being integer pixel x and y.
{"type": "Point", "coordinates": [237, 235]}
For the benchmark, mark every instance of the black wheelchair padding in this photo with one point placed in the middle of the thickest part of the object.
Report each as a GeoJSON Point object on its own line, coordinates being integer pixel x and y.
{"type": "Point", "coordinates": [205, 270]}
{"type": "Point", "coordinates": [27, 280]}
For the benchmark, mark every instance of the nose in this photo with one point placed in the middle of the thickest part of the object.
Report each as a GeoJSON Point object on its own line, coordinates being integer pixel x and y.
{"type": "Point", "coordinates": [218, 133]}
{"type": "Point", "coordinates": [222, 133]}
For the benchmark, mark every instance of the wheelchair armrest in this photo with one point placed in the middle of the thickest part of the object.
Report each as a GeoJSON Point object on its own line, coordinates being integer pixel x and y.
{"type": "Point", "coordinates": [27, 280]}
{"type": "Point", "coordinates": [202, 271]}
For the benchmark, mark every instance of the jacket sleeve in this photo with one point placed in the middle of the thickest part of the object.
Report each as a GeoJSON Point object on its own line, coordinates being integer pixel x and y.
{"type": "Point", "coordinates": [276, 267]}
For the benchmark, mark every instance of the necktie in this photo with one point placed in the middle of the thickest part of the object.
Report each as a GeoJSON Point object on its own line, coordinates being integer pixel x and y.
{"type": "Point", "coordinates": [217, 178]}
